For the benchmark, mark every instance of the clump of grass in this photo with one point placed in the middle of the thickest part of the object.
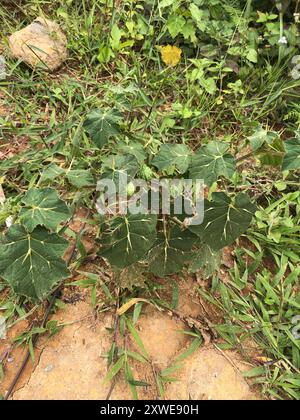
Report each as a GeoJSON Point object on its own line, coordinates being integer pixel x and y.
{"type": "Point", "coordinates": [261, 320]}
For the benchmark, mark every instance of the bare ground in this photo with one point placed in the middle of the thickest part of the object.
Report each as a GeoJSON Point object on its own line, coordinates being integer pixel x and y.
{"type": "Point", "coordinates": [72, 365]}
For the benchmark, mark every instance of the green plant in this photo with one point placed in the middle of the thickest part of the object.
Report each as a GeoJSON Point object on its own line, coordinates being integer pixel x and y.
{"type": "Point", "coordinates": [278, 227]}
{"type": "Point", "coordinates": [31, 250]}
{"type": "Point", "coordinates": [261, 306]}
{"type": "Point", "coordinates": [163, 244]}
{"type": "Point", "coordinates": [122, 359]}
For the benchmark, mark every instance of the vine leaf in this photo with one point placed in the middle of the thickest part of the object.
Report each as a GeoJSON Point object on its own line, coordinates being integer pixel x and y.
{"type": "Point", "coordinates": [212, 161]}
{"type": "Point", "coordinates": [43, 207]}
{"type": "Point", "coordinates": [291, 159]}
{"type": "Point", "coordinates": [169, 254]}
{"type": "Point", "coordinates": [115, 166]}
{"type": "Point", "coordinates": [135, 149]}
{"type": "Point", "coordinates": [224, 220]}
{"type": "Point", "coordinates": [128, 239]}
{"type": "Point", "coordinates": [102, 125]}
{"type": "Point", "coordinates": [261, 137]}
{"type": "Point", "coordinates": [170, 155]}
{"type": "Point", "coordinates": [207, 260]}
{"type": "Point", "coordinates": [32, 262]}
{"type": "Point", "coordinates": [81, 178]}
{"type": "Point", "coordinates": [52, 172]}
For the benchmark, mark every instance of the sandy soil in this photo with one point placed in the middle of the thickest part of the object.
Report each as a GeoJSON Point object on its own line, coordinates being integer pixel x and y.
{"type": "Point", "coordinates": [72, 364]}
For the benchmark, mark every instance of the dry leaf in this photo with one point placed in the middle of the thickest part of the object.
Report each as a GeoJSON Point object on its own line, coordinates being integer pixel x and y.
{"type": "Point", "coordinates": [129, 304]}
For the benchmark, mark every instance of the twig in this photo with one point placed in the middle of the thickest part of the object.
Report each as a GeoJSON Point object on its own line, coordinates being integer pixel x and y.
{"type": "Point", "coordinates": [228, 359]}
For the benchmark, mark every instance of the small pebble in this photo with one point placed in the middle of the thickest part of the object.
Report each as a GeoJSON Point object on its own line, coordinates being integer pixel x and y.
{"type": "Point", "coordinates": [49, 368]}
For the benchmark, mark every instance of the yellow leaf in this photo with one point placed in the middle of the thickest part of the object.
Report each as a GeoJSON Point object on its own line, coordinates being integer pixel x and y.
{"type": "Point", "coordinates": [129, 304]}
{"type": "Point", "coordinates": [170, 55]}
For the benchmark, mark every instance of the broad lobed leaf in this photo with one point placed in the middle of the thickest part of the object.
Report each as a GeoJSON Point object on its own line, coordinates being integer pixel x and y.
{"type": "Point", "coordinates": [102, 125]}
{"type": "Point", "coordinates": [225, 219]}
{"type": "Point", "coordinates": [32, 262]}
{"type": "Point", "coordinates": [177, 155]}
{"type": "Point", "coordinates": [211, 162]}
{"type": "Point", "coordinates": [43, 207]}
{"type": "Point", "coordinates": [170, 253]}
{"type": "Point", "coordinates": [128, 239]}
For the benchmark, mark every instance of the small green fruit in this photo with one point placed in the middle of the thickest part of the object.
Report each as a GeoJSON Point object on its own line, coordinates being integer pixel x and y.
{"type": "Point", "coordinates": [146, 172]}
{"type": "Point", "coordinates": [130, 189]}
